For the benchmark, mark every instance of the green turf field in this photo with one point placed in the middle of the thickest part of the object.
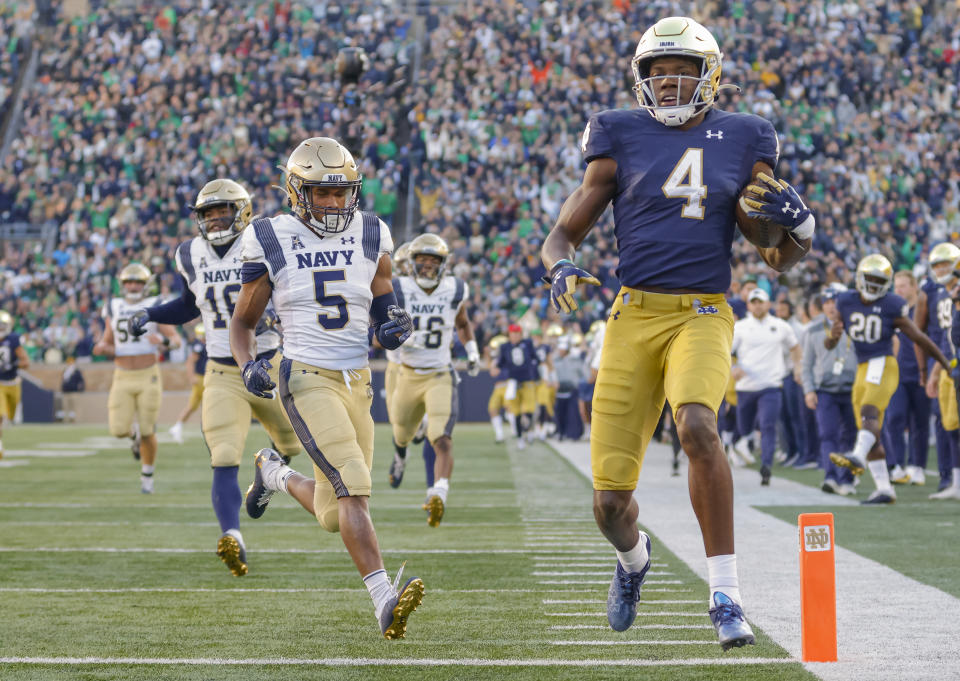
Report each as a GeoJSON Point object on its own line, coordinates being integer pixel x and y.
{"type": "Point", "coordinates": [102, 582]}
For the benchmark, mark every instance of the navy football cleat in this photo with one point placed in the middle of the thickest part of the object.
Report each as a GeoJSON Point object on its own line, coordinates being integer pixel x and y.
{"type": "Point", "coordinates": [258, 496]}
{"type": "Point", "coordinates": [878, 498]}
{"type": "Point", "coordinates": [625, 592]}
{"type": "Point", "coordinates": [393, 617]}
{"type": "Point", "coordinates": [728, 621]}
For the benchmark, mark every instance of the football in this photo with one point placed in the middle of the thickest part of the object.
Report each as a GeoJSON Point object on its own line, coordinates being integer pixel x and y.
{"type": "Point", "coordinates": [762, 233]}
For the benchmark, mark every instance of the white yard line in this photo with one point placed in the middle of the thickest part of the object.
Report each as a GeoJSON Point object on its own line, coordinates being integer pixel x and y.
{"type": "Point", "coordinates": [876, 605]}
{"type": "Point", "coordinates": [241, 590]}
{"type": "Point", "coordinates": [151, 549]}
{"type": "Point", "coordinates": [640, 613]}
{"type": "Point", "coordinates": [396, 662]}
{"type": "Point", "coordinates": [633, 642]}
{"type": "Point", "coordinates": [564, 627]}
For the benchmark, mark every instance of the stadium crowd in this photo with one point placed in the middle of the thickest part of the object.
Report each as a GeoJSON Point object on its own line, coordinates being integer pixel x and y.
{"type": "Point", "coordinates": [116, 140]}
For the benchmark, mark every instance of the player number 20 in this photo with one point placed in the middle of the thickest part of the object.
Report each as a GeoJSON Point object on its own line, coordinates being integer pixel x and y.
{"type": "Point", "coordinates": [865, 328]}
{"type": "Point", "coordinates": [686, 182]}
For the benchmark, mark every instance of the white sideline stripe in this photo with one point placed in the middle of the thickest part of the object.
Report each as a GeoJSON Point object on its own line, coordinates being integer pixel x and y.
{"type": "Point", "coordinates": [593, 574]}
{"type": "Point", "coordinates": [560, 627]}
{"type": "Point", "coordinates": [634, 642]}
{"type": "Point", "coordinates": [597, 581]}
{"type": "Point", "coordinates": [640, 613]}
{"type": "Point", "coordinates": [401, 662]}
{"type": "Point", "coordinates": [8, 463]}
{"type": "Point", "coordinates": [114, 549]}
{"type": "Point", "coordinates": [47, 453]}
{"type": "Point", "coordinates": [689, 601]}
{"type": "Point", "coordinates": [927, 619]}
{"type": "Point", "coordinates": [241, 590]}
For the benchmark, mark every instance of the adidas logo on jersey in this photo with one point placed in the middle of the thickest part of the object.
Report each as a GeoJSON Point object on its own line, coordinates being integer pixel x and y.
{"type": "Point", "coordinates": [324, 259]}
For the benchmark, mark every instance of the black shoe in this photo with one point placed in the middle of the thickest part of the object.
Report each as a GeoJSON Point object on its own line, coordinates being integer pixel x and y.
{"type": "Point", "coordinates": [764, 476]}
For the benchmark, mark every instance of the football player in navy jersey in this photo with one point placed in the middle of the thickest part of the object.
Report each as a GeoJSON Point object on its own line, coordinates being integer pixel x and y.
{"type": "Point", "coordinates": [518, 360]}
{"type": "Point", "coordinates": [673, 169]}
{"type": "Point", "coordinates": [12, 358]}
{"type": "Point", "coordinates": [870, 315]}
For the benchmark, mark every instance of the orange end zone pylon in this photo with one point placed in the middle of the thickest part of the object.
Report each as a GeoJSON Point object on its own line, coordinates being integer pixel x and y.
{"type": "Point", "coordinates": [818, 588]}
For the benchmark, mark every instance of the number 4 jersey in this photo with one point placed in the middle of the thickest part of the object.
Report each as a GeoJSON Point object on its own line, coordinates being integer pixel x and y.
{"type": "Point", "coordinates": [434, 316]}
{"type": "Point", "coordinates": [870, 325]}
{"type": "Point", "coordinates": [676, 192]}
{"type": "Point", "coordinates": [215, 283]}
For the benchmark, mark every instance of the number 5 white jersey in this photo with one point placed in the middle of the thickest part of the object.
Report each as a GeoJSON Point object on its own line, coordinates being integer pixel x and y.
{"type": "Point", "coordinates": [434, 316]}
{"type": "Point", "coordinates": [215, 283]}
{"type": "Point", "coordinates": [321, 286]}
{"type": "Point", "coordinates": [119, 312]}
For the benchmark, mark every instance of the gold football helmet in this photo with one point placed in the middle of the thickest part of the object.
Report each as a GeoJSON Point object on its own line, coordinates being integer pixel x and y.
{"type": "Point", "coordinates": [401, 259]}
{"type": "Point", "coordinates": [874, 277]}
{"type": "Point", "coordinates": [555, 331]}
{"type": "Point", "coordinates": [6, 323]}
{"type": "Point", "coordinates": [322, 162]}
{"type": "Point", "coordinates": [223, 192]}
{"type": "Point", "coordinates": [942, 253]}
{"type": "Point", "coordinates": [428, 244]}
{"type": "Point", "coordinates": [494, 343]}
{"type": "Point", "coordinates": [677, 37]}
{"type": "Point", "coordinates": [134, 273]}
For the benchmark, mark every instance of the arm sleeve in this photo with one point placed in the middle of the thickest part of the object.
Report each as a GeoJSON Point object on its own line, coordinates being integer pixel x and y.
{"type": "Point", "coordinates": [178, 311]}
{"type": "Point", "coordinates": [806, 367]}
{"type": "Point", "coordinates": [596, 142]}
{"type": "Point", "coordinates": [386, 239]}
{"type": "Point", "coordinates": [768, 144]}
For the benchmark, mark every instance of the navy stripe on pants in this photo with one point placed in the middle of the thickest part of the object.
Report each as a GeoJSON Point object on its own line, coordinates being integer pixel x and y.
{"type": "Point", "coordinates": [764, 406]}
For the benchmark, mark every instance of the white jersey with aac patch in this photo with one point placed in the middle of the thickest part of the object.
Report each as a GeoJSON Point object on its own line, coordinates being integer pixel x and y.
{"type": "Point", "coordinates": [321, 285]}
{"type": "Point", "coordinates": [434, 317]}
{"type": "Point", "coordinates": [215, 283]}
{"type": "Point", "coordinates": [119, 311]}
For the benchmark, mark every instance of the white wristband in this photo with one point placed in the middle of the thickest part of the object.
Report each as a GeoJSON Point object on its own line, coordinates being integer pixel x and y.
{"type": "Point", "coordinates": [473, 353]}
{"type": "Point", "coordinates": [805, 229]}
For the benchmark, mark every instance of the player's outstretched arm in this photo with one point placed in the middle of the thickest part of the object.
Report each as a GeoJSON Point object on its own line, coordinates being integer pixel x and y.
{"type": "Point", "coordinates": [578, 215]}
{"type": "Point", "coordinates": [797, 243]}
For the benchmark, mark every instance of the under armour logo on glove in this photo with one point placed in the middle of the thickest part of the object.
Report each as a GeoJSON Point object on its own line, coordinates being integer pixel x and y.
{"type": "Point", "coordinates": [779, 199]}
{"type": "Point", "coordinates": [137, 323]}
{"type": "Point", "coordinates": [256, 378]}
{"type": "Point", "coordinates": [564, 279]}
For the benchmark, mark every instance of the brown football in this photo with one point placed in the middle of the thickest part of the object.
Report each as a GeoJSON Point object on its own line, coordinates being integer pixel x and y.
{"type": "Point", "coordinates": [762, 233]}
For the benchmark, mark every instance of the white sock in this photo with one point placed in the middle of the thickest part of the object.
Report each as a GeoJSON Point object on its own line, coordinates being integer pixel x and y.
{"type": "Point", "coordinates": [512, 422]}
{"type": "Point", "coordinates": [722, 572]}
{"type": "Point", "coordinates": [865, 442]}
{"type": "Point", "coordinates": [146, 470]}
{"type": "Point", "coordinates": [636, 558]}
{"type": "Point", "coordinates": [381, 591]}
{"type": "Point", "coordinates": [955, 482]}
{"type": "Point", "coordinates": [497, 422]}
{"type": "Point", "coordinates": [276, 477]}
{"type": "Point", "coordinates": [235, 533]}
{"type": "Point", "coordinates": [878, 469]}
{"type": "Point", "coordinates": [440, 489]}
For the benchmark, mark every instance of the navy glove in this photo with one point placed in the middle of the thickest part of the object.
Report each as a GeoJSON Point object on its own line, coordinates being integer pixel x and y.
{"type": "Point", "coordinates": [779, 203]}
{"type": "Point", "coordinates": [137, 323]}
{"type": "Point", "coordinates": [393, 333]}
{"type": "Point", "coordinates": [564, 279]}
{"type": "Point", "coordinates": [257, 379]}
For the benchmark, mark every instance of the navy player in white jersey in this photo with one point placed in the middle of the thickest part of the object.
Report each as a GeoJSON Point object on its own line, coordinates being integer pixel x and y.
{"type": "Point", "coordinates": [674, 171]}
{"type": "Point", "coordinates": [326, 268]}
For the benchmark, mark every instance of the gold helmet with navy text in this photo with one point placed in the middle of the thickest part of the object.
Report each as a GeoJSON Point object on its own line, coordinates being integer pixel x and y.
{"type": "Point", "coordinates": [677, 37]}
{"type": "Point", "coordinates": [6, 323]}
{"type": "Point", "coordinates": [134, 272]}
{"type": "Point", "coordinates": [495, 342]}
{"type": "Point", "coordinates": [940, 254]}
{"type": "Point", "coordinates": [874, 277]}
{"type": "Point", "coordinates": [322, 162]}
{"type": "Point", "coordinates": [223, 229]}
{"type": "Point", "coordinates": [401, 259]}
{"type": "Point", "coordinates": [428, 244]}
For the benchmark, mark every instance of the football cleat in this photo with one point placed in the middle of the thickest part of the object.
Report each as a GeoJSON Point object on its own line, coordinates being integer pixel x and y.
{"type": "Point", "coordinates": [849, 461]}
{"type": "Point", "coordinates": [879, 498]}
{"type": "Point", "coordinates": [898, 476]}
{"type": "Point", "coordinates": [393, 617]}
{"type": "Point", "coordinates": [258, 495]}
{"type": "Point", "coordinates": [950, 492]}
{"type": "Point", "coordinates": [434, 509]}
{"type": "Point", "coordinates": [847, 489]}
{"type": "Point", "coordinates": [146, 484]}
{"type": "Point", "coordinates": [830, 486]}
{"type": "Point", "coordinates": [742, 449]}
{"type": "Point", "coordinates": [764, 476]}
{"type": "Point", "coordinates": [624, 593]}
{"type": "Point", "coordinates": [917, 475]}
{"type": "Point", "coordinates": [396, 470]}
{"type": "Point", "coordinates": [728, 621]}
{"type": "Point", "coordinates": [233, 554]}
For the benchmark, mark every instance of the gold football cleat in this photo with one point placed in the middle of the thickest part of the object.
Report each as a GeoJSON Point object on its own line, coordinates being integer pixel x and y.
{"type": "Point", "coordinates": [434, 507]}
{"type": "Point", "coordinates": [232, 555]}
{"type": "Point", "coordinates": [408, 600]}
